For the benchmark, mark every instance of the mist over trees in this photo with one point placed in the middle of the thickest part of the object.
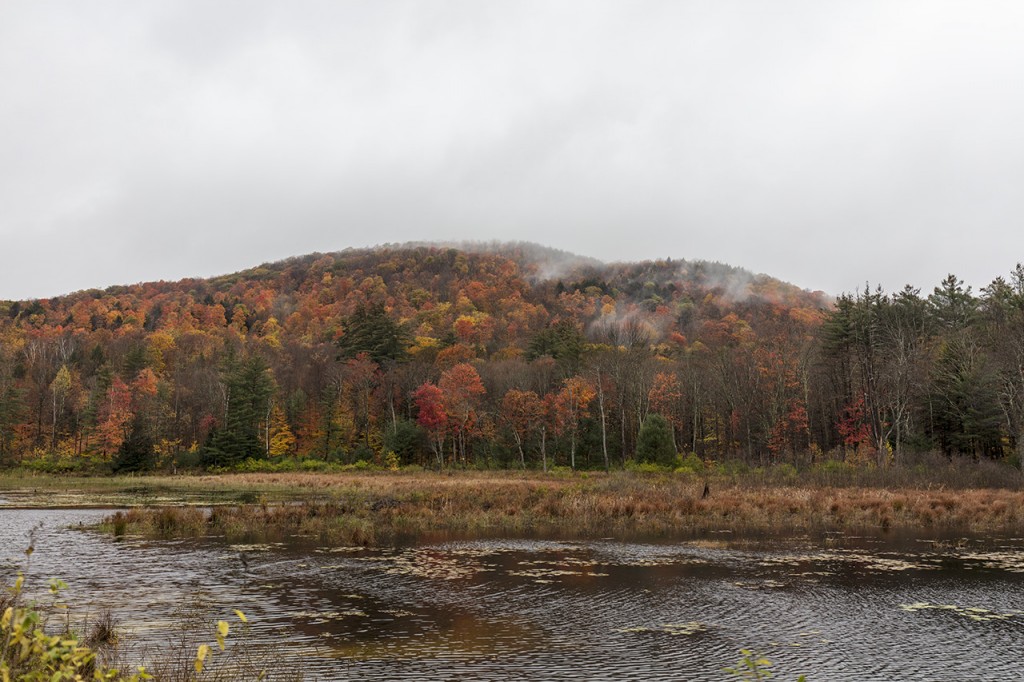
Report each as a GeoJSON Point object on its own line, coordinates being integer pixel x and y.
{"type": "Point", "coordinates": [511, 356]}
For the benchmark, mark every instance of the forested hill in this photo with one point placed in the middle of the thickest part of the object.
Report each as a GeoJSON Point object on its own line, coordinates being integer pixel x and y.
{"type": "Point", "coordinates": [489, 353]}
{"type": "Point", "coordinates": [508, 291]}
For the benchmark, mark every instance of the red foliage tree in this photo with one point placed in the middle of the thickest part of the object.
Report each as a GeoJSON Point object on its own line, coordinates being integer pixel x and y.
{"type": "Point", "coordinates": [431, 415]}
{"type": "Point", "coordinates": [462, 389]}
{"type": "Point", "coordinates": [853, 427]}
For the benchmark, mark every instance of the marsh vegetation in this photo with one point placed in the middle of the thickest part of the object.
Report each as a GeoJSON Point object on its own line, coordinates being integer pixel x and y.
{"type": "Point", "coordinates": [375, 508]}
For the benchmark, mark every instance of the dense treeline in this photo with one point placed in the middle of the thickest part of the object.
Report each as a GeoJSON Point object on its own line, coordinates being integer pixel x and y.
{"type": "Point", "coordinates": [507, 356]}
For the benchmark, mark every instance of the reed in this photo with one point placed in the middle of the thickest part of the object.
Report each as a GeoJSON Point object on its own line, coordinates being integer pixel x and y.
{"type": "Point", "coordinates": [381, 509]}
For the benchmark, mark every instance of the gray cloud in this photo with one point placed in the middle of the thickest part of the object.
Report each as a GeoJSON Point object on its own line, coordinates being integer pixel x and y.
{"type": "Point", "coordinates": [824, 143]}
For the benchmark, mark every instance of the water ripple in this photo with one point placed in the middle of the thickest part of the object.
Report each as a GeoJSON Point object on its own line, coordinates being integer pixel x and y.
{"type": "Point", "coordinates": [554, 610]}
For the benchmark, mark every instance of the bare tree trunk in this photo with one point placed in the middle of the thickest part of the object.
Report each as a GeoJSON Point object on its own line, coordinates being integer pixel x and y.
{"type": "Point", "coordinates": [519, 445]}
{"type": "Point", "coordinates": [604, 429]}
{"type": "Point", "coordinates": [543, 447]}
{"type": "Point", "coordinates": [572, 450]}
{"type": "Point", "coordinates": [53, 428]}
{"type": "Point", "coordinates": [696, 412]}
{"type": "Point", "coordinates": [391, 404]}
{"type": "Point", "coordinates": [622, 423]}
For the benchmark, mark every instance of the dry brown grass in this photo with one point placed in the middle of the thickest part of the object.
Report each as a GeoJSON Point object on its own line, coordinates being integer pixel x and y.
{"type": "Point", "coordinates": [380, 508]}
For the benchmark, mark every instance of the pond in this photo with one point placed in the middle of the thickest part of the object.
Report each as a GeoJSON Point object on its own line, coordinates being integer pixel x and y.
{"type": "Point", "coordinates": [839, 608]}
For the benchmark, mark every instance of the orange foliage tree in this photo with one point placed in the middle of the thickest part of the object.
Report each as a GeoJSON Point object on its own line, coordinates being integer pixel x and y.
{"type": "Point", "coordinates": [522, 411]}
{"type": "Point", "coordinates": [570, 406]}
{"type": "Point", "coordinates": [665, 397]}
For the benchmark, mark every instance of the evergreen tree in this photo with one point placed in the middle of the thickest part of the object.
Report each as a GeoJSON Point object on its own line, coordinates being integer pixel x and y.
{"type": "Point", "coordinates": [136, 451]}
{"type": "Point", "coordinates": [952, 305]}
{"type": "Point", "coordinates": [966, 415]}
{"type": "Point", "coordinates": [562, 341]}
{"type": "Point", "coordinates": [248, 387]}
{"type": "Point", "coordinates": [135, 360]}
{"type": "Point", "coordinates": [370, 330]}
{"type": "Point", "coordinates": [654, 445]}
{"type": "Point", "coordinates": [406, 439]}
{"type": "Point", "coordinates": [11, 406]}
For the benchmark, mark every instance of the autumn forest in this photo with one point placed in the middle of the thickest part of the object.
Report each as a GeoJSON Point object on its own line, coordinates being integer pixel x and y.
{"type": "Point", "coordinates": [506, 356]}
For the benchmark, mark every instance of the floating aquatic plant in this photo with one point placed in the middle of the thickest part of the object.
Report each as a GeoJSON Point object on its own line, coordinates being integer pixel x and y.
{"type": "Point", "coordinates": [429, 563]}
{"type": "Point", "coordinates": [679, 629]}
{"type": "Point", "coordinates": [1012, 562]}
{"type": "Point", "coordinates": [768, 584]}
{"type": "Point", "coordinates": [546, 573]}
{"type": "Point", "coordinates": [972, 612]}
{"type": "Point", "coordinates": [869, 562]}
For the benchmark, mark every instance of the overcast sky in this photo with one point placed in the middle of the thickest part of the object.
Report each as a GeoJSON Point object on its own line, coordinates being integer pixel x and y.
{"type": "Point", "coordinates": [825, 143]}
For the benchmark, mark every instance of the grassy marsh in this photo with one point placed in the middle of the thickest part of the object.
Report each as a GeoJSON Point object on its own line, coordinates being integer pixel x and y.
{"type": "Point", "coordinates": [381, 508]}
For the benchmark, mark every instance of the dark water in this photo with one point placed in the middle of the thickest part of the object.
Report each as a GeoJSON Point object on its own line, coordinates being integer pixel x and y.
{"type": "Point", "coordinates": [847, 609]}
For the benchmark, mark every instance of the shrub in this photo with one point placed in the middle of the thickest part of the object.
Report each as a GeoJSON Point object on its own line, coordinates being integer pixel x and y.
{"type": "Point", "coordinates": [312, 465]}
{"type": "Point", "coordinates": [30, 654]}
{"type": "Point", "coordinates": [734, 467]}
{"type": "Point", "coordinates": [785, 472]}
{"type": "Point", "coordinates": [646, 468]}
{"type": "Point", "coordinates": [185, 459]}
{"type": "Point", "coordinates": [691, 464]}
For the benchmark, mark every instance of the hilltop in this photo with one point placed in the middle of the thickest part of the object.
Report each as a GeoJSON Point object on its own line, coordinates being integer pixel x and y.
{"type": "Point", "coordinates": [520, 288]}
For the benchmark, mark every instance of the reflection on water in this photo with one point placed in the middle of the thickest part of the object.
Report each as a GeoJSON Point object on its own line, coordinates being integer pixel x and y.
{"type": "Point", "coordinates": [850, 609]}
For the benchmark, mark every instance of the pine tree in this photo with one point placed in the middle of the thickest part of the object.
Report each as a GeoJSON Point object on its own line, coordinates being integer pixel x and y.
{"type": "Point", "coordinates": [248, 387]}
{"type": "Point", "coordinates": [369, 330]}
{"type": "Point", "coordinates": [654, 444]}
{"type": "Point", "coordinates": [136, 451]}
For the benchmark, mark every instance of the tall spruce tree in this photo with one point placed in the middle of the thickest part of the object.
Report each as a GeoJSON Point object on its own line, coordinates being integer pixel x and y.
{"type": "Point", "coordinates": [370, 330]}
{"type": "Point", "coordinates": [248, 387]}
{"type": "Point", "coordinates": [136, 451]}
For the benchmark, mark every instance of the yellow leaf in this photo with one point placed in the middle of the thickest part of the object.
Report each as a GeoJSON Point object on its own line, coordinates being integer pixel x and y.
{"type": "Point", "coordinates": [201, 653]}
{"type": "Point", "coordinates": [241, 616]}
{"type": "Point", "coordinates": [222, 628]}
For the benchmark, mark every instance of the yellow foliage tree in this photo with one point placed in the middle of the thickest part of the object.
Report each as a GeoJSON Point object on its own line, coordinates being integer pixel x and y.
{"type": "Point", "coordinates": [282, 440]}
